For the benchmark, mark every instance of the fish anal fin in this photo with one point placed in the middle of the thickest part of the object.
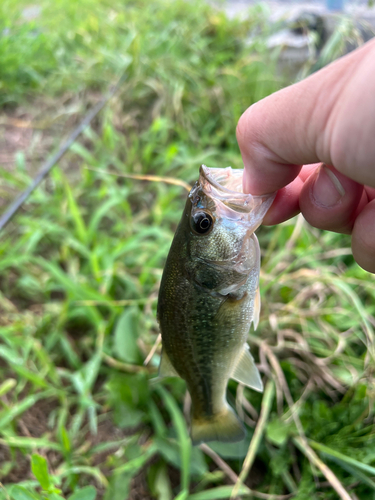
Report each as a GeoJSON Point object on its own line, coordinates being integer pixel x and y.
{"type": "Point", "coordinates": [256, 310]}
{"type": "Point", "coordinates": [166, 368]}
{"type": "Point", "coordinates": [246, 372]}
{"type": "Point", "coordinates": [224, 426]}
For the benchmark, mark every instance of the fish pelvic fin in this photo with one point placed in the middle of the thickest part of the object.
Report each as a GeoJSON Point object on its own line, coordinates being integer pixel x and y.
{"type": "Point", "coordinates": [224, 426]}
{"type": "Point", "coordinates": [246, 372]}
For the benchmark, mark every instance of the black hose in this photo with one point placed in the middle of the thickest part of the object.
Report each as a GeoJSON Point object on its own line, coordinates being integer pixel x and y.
{"type": "Point", "coordinates": [9, 213]}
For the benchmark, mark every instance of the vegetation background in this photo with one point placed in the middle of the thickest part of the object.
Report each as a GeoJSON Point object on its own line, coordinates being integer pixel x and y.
{"type": "Point", "coordinates": [80, 267]}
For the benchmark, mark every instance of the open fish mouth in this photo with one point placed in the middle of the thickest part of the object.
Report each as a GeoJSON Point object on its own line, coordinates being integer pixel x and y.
{"type": "Point", "coordinates": [226, 180]}
{"type": "Point", "coordinates": [224, 186]}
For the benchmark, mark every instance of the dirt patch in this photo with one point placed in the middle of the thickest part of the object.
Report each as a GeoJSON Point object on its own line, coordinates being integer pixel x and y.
{"type": "Point", "coordinates": [139, 488]}
{"type": "Point", "coordinates": [257, 475]}
{"type": "Point", "coordinates": [28, 135]}
{"type": "Point", "coordinates": [13, 467]}
{"type": "Point", "coordinates": [107, 431]}
{"type": "Point", "coordinates": [14, 464]}
{"type": "Point", "coordinates": [34, 422]}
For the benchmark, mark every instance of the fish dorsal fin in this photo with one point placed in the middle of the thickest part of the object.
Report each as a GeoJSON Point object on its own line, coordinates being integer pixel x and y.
{"type": "Point", "coordinates": [246, 372]}
{"type": "Point", "coordinates": [256, 311]}
{"type": "Point", "coordinates": [166, 368]}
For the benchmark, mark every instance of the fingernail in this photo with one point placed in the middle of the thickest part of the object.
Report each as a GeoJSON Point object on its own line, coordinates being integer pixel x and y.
{"type": "Point", "coordinates": [327, 190]}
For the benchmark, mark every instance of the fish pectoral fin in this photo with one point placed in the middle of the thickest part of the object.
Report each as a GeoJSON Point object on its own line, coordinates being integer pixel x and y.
{"type": "Point", "coordinates": [246, 372]}
{"type": "Point", "coordinates": [166, 368]}
{"type": "Point", "coordinates": [256, 311]}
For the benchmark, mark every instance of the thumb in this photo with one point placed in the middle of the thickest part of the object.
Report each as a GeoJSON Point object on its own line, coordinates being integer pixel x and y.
{"type": "Point", "coordinates": [309, 122]}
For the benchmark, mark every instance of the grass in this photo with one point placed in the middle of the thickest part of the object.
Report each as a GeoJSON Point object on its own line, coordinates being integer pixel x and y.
{"type": "Point", "coordinates": [80, 268]}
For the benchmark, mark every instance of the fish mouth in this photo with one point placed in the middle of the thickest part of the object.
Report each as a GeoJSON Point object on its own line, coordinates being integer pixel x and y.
{"type": "Point", "coordinates": [226, 180]}
{"type": "Point", "coordinates": [224, 187]}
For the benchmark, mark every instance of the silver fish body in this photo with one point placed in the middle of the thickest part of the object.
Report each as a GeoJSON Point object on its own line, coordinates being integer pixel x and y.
{"type": "Point", "coordinates": [209, 295]}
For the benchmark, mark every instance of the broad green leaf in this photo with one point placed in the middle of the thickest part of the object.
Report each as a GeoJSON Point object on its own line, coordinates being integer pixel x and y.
{"type": "Point", "coordinates": [127, 415]}
{"type": "Point", "coordinates": [21, 493]}
{"type": "Point", "coordinates": [170, 450]}
{"type": "Point", "coordinates": [39, 468]}
{"type": "Point", "coordinates": [119, 486]}
{"type": "Point", "coordinates": [126, 335]}
{"type": "Point", "coordinates": [278, 431]}
{"type": "Point", "coordinates": [232, 450]}
{"type": "Point", "coordinates": [87, 493]}
{"type": "Point", "coordinates": [162, 484]}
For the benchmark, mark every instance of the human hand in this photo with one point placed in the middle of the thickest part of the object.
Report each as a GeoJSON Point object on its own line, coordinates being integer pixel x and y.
{"type": "Point", "coordinates": [328, 118]}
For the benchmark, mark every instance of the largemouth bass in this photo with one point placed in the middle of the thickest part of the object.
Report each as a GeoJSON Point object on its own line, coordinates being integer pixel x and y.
{"type": "Point", "coordinates": [208, 297]}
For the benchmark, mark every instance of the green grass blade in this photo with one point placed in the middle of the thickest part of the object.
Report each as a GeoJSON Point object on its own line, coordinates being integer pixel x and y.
{"type": "Point", "coordinates": [219, 493]}
{"type": "Point", "coordinates": [182, 435]}
{"type": "Point", "coordinates": [30, 443]}
{"type": "Point", "coordinates": [75, 212]}
{"type": "Point", "coordinates": [342, 458]}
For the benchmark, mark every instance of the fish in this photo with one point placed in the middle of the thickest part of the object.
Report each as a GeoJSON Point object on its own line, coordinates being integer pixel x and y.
{"type": "Point", "coordinates": [208, 298]}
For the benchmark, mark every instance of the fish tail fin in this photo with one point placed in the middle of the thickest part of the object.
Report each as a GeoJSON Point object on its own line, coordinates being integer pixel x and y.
{"type": "Point", "coordinates": [224, 426]}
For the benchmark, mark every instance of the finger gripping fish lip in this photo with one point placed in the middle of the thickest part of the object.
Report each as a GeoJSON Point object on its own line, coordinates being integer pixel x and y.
{"type": "Point", "coordinates": [224, 186]}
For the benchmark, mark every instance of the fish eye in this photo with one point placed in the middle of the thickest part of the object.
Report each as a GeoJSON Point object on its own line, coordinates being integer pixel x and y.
{"type": "Point", "coordinates": [201, 222]}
